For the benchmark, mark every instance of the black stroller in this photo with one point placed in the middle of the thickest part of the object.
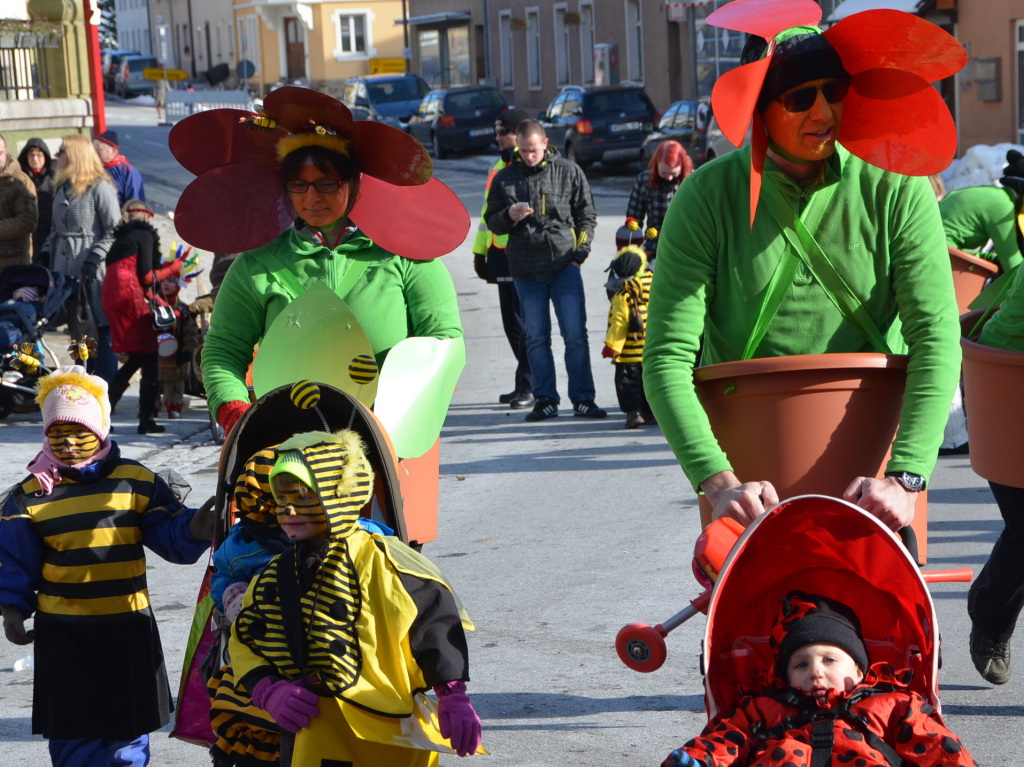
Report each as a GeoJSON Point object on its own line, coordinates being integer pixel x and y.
{"type": "Point", "coordinates": [25, 322]}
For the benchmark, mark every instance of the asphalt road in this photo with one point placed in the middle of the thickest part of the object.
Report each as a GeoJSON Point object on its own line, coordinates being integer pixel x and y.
{"type": "Point", "coordinates": [554, 534]}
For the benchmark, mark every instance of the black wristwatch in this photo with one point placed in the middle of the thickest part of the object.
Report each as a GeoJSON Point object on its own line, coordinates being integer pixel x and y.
{"type": "Point", "coordinates": [912, 483]}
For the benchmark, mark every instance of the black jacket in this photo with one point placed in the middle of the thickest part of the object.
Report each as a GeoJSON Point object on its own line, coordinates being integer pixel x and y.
{"type": "Point", "coordinates": [44, 190]}
{"type": "Point", "coordinates": [561, 227]}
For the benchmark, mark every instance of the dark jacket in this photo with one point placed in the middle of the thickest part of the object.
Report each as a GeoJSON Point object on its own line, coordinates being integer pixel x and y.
{"type": "Point", "coordinates": [561, 227]}
{"type": "Point", "coordinates": [18, 213]}
{"type": "Point", "coordinates": [44, 190]}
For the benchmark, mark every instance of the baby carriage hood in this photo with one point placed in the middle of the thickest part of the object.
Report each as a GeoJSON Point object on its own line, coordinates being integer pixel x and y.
{"type": "Point", "coordinates": [833, 549]}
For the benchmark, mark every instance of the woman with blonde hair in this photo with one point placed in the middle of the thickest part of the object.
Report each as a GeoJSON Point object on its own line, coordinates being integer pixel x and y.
{"type": "Point", "coordinates": [85, 212]}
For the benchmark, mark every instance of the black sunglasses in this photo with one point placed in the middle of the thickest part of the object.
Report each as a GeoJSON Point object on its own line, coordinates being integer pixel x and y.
{"type": "Point", "coordinates": [802, 99]}
{"type": "Point", "coordinates": [501, 130]}
{"type": "Point", "coordinates": [324, 186]}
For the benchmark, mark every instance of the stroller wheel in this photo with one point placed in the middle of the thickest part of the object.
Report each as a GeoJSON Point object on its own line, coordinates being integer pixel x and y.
{"type": "Point", "coordinates": [641, 647]}
{"type": "Point", "coordinates": [6, 407]}
{"type": "Point", "coordinates": [216, 431]}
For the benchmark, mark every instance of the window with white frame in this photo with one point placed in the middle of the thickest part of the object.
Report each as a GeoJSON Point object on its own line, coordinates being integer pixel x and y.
{"type": "Point", "coordinates": [562, 73]}
{"type": "Point", "coordinates": [505, 43]}
{"type": "Point", "coordinates": [635, 41]}
{"type": "Point", "coordinates": [352, 34]}
{"type": "Point", "coordinates": [587, 41]}
{"type": "Point", "coordinates": [533, 48]}
{"type": "Point", "coordinates": [249, 40]}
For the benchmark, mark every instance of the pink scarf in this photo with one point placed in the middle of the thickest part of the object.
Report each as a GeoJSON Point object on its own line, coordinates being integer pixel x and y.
{"type": "Point", "coordinates": [45, 467]}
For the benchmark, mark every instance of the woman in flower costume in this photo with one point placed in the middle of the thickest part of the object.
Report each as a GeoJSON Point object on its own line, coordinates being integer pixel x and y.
{"type": "Point", "coordinates": [309, 195]}
{"type": "Point", "coordinates": [823, 236]}
{"type": "Point", "coordinates": [340, 636]}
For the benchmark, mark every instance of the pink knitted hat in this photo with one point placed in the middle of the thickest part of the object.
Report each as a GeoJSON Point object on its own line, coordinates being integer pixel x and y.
{"type": "Point", "coordinates": [71, 394]}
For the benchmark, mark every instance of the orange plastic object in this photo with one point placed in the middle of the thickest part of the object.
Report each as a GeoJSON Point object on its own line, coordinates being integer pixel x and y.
{"type": "Point", "coordinates": [808, 423]}
{"type": "Point", "coordinates": [993, 380]}
{"type": "Point", "coordinates": [714, 544]}
{"type": "Point", "coordinates": [418, 480]}
{"type": "Point", "coordinates": [970, 274]}
{"type": "Point", "coordinates": [641, 647]}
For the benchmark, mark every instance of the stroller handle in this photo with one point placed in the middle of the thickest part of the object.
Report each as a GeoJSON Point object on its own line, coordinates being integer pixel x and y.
{"type": "Point", "coordinates": [959, 575]}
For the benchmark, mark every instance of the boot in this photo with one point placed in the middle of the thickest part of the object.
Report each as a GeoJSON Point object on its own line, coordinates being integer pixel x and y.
{"type": "Point", "coordinates": [150, 427]}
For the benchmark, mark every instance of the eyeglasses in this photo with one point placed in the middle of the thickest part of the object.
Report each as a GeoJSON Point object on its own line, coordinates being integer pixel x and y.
{"type": "Point", "coordinates": [501, 131]}
{"type": "Point", "coordinates": [323, 186]}
{"type": "Point", "coordinates": [802, 99]}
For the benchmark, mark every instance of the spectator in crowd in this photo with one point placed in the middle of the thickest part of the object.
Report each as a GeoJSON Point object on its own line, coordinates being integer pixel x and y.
{"type": "Point", "coordinates": [543, 203]}
{"type": "Point", "coordinates": [655, 187]}
{"type": "Point", "coordinates": [491, 265]}
{"type": "Point", "coordinates": [18, 211]}
{"type": "Point", "coordinates": [85, 213]}
{"type": "Point", "coordinates": [38, 165]}
{"type": "Point", "coordinates": [127, 180]}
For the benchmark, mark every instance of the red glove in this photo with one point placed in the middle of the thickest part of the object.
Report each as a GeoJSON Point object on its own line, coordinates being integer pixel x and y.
{"type": "Point", "coordinates": [459, 721]}
{"type": "Point", "coordinates": [289, 704]}
{"type": "Point", "coordinates": [608, 352]}
{"type": "Point", "coordinates": [229, 413]}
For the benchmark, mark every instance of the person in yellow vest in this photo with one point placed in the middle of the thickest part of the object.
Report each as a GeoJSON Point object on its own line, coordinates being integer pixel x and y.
{"type": "Point", "coordinates": [491, 265]}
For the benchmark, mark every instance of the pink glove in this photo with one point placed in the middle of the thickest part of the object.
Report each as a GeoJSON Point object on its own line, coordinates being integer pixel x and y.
{"type": "Point", "coordinates": [459, 721]}
{"type": "Point", "coordinates": [289, 704]}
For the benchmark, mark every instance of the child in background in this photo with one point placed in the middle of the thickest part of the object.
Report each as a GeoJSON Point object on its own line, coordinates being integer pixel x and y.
{"type": "Point", "coordinates": [71, 543]}
{"type": "Point", "coordinates": [823, 691]}
{"type": "Point", "coordinates": [630, 285]}
{"type": "Point", "coordinates": [176, 351]}
{"type": "Point", "coordinates": [340, 635]}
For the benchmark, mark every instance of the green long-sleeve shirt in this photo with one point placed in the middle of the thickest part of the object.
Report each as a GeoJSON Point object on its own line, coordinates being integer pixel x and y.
{"type": "Point", "coordinates": [882, 232]}
{"type": "Point", "coordinates": [1005, 329]}
{"type": "Point", "coordinates": [394, 298]}
{"type": "Point", "coordinates": [973, 216]}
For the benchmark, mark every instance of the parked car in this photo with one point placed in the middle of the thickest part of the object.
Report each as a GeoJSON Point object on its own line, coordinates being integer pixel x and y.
{"type": "Point", "coordinates": [600, 123]}
{"type": "Point", "coordinates": [461, 118]}
{"type": "Point", "coordinates": [390, 99]}
{"type": "Point", "coordinates": [110, 65]}
{"type": "Point", "coordinates": [684, 121]}
{"type": "Point", "coordinates": [716, 144]}
{"type": "Point", "coordinates": [131, 81]}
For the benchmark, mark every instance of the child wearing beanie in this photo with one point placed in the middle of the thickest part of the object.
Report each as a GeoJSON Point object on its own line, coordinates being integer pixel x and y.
{"type": "Point", "coordinates": [341, 635]}
{"type": "Point", "coordinates": [71, 542]}
{"type": "Point", "coordinates": [630, 288]}
{"type": "Point", "coordinates": [823, 693]}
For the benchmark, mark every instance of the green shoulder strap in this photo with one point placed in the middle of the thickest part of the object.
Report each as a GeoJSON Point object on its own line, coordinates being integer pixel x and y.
{"type": "Point", "coordinates": [278, 272]}
{"type": "Point", "coordinates": [806, 247]}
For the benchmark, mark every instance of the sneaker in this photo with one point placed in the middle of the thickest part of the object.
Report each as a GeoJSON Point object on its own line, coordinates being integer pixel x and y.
{"type": "Point", "coordinates": [522, 401]}
{"type": "Point", "coordinates": [991, 658]}
{"type": "Point", "coordinates": [588, 409]}
{"type": "Point", "coordinates": [172, 414]}
{"type": "Point", "coordinates": [543, 410]}
{"type": "Point", "coordinates": [506, 399]}
{"type": "Point", "coordinates": [634, 420]}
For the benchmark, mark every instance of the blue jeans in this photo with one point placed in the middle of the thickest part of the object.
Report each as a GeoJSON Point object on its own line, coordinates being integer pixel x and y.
{"type": "Point", "coordinates": [104, 364]}
{"type": "Point", "coordinates": [81, 752]}
{"type": "Point", "coordinates": [565, 292]}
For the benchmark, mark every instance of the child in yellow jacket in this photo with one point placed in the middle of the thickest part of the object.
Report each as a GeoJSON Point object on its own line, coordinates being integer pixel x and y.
{"type": "Point", "coordinates": [627, 325]}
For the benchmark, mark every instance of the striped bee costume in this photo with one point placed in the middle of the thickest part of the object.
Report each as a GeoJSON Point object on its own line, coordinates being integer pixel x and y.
{"type": "Point", "coordinates": [368, 620]}
{"type": "Point", "coordinates": [71, 552]}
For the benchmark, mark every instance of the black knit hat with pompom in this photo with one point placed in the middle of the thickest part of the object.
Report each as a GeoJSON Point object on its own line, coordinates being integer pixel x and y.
{"type": "Point", "coordinates": [1013, 173]}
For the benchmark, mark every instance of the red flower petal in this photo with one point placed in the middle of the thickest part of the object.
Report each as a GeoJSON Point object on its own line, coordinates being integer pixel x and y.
{"type": "Point", "coordinates": [734, 98]}
{"type": "Point", "coordinates": [897, 121]}
{"type": "Point", "coordinates": [896, 40]}
{"type": "Point", "coordinates": [766, 18]}
{"type": "Point", "coordinates": [214, 138]}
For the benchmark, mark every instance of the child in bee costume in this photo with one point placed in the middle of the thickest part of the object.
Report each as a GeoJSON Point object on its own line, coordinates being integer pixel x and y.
{"type": "Point", "coordinates": [71, 552]}
{"type": "Point", "coordinates": [629, 287]}
{"type": "Point", "coordinates": [340, 636]}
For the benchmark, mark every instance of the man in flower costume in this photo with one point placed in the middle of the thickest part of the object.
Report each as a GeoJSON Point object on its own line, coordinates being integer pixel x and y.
{"type": "Point", "coordinates": [339, 637]}
{"type": "Point", "coordinates": [811, 240]}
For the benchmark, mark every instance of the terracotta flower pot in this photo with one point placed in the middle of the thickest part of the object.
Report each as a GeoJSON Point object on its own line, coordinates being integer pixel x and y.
{"type": "Point", "coordinates": [808, 423]}
{"type": "Point", "coordinates": [970, 274]}
{"type": "Point", "coordinates": [993, 381]}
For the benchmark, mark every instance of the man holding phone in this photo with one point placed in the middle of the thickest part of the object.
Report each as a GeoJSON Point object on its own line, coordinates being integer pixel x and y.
{"type": "Point", "coordinates": [543, 203]}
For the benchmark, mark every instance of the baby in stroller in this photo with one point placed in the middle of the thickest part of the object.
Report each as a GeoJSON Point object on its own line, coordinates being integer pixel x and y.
{"type": "Point", "coordinates": [822, 694]}
{"type": "Point", "coordinates": [22, 293]}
